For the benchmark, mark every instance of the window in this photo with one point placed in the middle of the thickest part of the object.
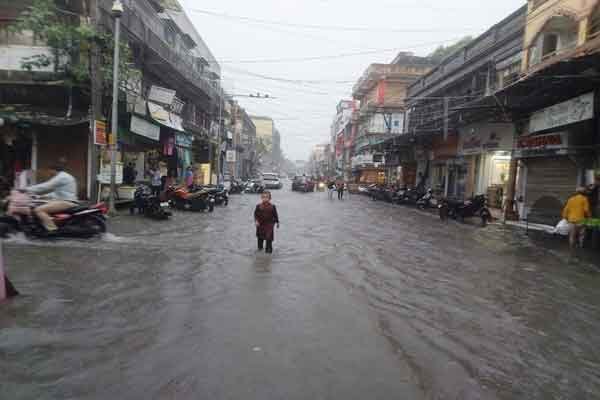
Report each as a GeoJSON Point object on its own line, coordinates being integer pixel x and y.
{"type": "Point", "coordinates": [549, 45]}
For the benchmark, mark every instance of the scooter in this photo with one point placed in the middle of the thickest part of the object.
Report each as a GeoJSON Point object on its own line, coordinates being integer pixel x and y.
{"type": "Point", "coordinates": [460, 210]}
{"type": "Point", "coordinates": [78, 221]}
{"type": "Point", "coordinates": [427, 201]}
{"type": "Point", "coordinates": [181, 198]}
{"type": "Point", "coordinates": [219, 193]}
{"type": "Point", "coordinates": [148, 204]}
{"type": "Point", "coordinates": [236, 188]}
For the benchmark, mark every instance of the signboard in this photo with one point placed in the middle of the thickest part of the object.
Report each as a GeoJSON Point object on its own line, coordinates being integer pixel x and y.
{"type": "Point", "coordinates": [543, 142]}
{"type": "Point", "coordinates": [482, 138]}
{"type": "Point", "coordinates": [144, 128]}
{"type": "Point", "coordinates": [161, 95]}
{"type": "Point", "coordinates": [230, 156]}
{"type": "Point", "coordinates": [104, 175]}
{"type": "Point", "coordinates": [569, 112]}
{"type": "Point", "coordinates": [184, 140]}
{"type": "Point", "coordinates": [100, 134]}
{"type": "Point", "coordinates": [166, 118]}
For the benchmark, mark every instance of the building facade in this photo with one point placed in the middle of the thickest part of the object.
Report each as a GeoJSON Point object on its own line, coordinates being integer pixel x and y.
{"type": "Point", "coordinates": [169, 102]}
{"type": "Point", "coordinates": [381, 93]}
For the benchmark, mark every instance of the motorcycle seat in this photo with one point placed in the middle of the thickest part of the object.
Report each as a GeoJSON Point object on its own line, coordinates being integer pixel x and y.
{"type": "Point", "coordinates": [76, 209]}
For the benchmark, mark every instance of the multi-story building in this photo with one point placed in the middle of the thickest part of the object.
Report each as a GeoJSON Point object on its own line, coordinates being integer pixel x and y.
{"type": "Point", "coordinates": [341, 133]}
{"type": "Point", "coordinates": [555, 104]}
{"type": "Point", "coordinates": [170, 103]}
{"type": "Point", "coordinates": [319, 161]}
{"type": "Point", "coordinates": [463, 136]}
{"type": "Point", "coordinates": [381, 92]}
{"type": "Point", "coordinates": [268, 143]}
{"type": "Point", "coordinates": [243, 144]}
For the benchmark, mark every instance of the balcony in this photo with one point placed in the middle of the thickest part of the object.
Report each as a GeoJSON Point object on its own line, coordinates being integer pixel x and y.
{"type": "Point", "coordinates": [143, 23]}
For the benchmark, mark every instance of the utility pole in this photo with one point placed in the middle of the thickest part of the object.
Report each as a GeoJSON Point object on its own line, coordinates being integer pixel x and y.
{"type": "Point", "coordinates": [95, 100]}
{"type": "Point", "coordinates": [117, 11]}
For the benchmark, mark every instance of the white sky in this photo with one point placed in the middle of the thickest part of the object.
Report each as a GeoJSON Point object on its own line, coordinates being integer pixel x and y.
{"type": "Point", "coordinates": [303, 111]}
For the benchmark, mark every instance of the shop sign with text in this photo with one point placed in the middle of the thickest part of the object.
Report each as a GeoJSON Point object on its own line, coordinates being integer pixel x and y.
{"type": "Point", "coordinates": [100, 135]}
{"type": "Point", "coordinates": [569, 112]}
{"type": "Point", "coordinates": [542, 144]}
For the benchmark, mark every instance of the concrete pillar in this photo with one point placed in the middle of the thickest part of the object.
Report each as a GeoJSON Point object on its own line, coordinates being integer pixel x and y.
{"type": "Point", "coordinates": [34, 156]}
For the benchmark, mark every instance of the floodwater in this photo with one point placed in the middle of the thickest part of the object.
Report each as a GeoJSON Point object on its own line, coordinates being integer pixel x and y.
{"type": "Point", "coordinates": [361, 300]}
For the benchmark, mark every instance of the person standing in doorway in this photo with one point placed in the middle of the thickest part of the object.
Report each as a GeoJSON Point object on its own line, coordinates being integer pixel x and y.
{"type": "Point", "coordinates": [575, 212]}
{"type": "Point", "coordinates": [266, 218]}
{"type": "Point", "coordinates": [155, 180]}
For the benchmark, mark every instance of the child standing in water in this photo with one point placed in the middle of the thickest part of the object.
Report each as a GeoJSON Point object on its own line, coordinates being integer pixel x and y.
{"type": "Point", "coordinates": [265, 217]}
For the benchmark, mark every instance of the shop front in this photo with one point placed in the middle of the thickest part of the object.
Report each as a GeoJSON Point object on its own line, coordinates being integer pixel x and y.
{"type": "Point", "coordinates": [447, 172]}
{"type": "Point", "coordinates": [557, 155]}
{"type": "Point", "coordinates": [30, 145]}
{"type": "Point", "coordinates": [368, 169]}
{"type": "Point", "coordinates": [487, 152]}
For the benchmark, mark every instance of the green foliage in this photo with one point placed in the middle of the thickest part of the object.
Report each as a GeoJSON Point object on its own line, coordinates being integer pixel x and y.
{"type": "Point", "coordinates": [70, 41]}
{"type": "Point", "coordinates": [439, 54]}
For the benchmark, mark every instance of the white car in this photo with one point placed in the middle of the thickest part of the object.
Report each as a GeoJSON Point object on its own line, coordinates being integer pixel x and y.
{"type": "Point", "coordinates": [272, 181]}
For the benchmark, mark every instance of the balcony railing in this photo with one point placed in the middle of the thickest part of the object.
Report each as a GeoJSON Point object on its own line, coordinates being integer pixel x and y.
{"type": "Point", "coordinates": [142, 21]}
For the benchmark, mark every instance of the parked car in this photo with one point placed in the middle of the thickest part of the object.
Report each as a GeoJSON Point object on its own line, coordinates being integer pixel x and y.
{"type": "Point", "coordinates": [271, 180]}
{"type": "Point", "coordinates": [303, 184]}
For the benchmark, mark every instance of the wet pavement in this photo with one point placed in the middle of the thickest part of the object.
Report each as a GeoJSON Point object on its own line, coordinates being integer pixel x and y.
{"type": "Point", "coordinates": [361, 300]}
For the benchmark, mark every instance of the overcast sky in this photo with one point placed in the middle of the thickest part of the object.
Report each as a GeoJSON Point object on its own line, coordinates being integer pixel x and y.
{"type": "Point", "coordinates": [266, 38]}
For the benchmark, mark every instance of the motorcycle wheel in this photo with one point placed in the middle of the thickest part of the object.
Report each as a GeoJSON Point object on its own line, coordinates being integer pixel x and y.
{"type": "Point", "coordinates": [92, 225]}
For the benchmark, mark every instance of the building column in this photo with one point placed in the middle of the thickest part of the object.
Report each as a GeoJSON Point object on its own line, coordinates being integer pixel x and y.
{"type": "Point", "coordinates": [34, 156]}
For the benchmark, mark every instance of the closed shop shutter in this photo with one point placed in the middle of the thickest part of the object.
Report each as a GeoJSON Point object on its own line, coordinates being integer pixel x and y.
{"type": "Point", "coordinates": [550, 183]}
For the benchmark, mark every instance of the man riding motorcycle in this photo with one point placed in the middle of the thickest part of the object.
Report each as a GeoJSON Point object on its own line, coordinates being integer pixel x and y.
{"type": "Point", "coordinates": [62, 191]}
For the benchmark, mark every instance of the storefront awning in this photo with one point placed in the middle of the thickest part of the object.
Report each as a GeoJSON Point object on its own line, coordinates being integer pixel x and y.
{"type": "Point", "coordinates": [165, 118]}
{"type": "Point", "coordinates": [33, 116]}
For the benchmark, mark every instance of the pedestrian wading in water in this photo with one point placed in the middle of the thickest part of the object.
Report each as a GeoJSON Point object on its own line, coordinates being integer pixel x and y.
{"type": "Point", "coordinates": [265, 217]}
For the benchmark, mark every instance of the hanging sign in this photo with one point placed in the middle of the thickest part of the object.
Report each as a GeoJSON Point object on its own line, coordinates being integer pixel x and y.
{"type": "Point", "coordinates": [104, 175]}
{"type": "Point", "coordinates": [144, 128]}
{"type": "Point", "coordinates": [161, 95]}
{"type": "Point", "coordinates": [230, 156]}
{"type": "Point", "coordinates": [569, 112]}
{"type": "Point", "coordinates": [100, 136]}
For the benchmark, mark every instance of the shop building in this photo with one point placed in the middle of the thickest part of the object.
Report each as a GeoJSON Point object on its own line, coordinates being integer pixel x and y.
{"type": "Point", "coordinates": [557, 153]}
{"type": "Point", "coordinates": [486, 149]}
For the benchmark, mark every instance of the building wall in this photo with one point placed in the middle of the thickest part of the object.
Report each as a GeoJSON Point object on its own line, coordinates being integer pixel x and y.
{"type": "Point", "coordinates": [264, 127]}
{"type": "Point", "coordinates": [540, 12]}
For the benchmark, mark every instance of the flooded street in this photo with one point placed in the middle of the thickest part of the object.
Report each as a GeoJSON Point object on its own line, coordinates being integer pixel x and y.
{"type": "Point", "coordinates": [360, 300]}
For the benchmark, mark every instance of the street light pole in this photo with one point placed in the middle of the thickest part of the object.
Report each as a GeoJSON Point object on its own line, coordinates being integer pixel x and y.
{"type": "Point", "coordinates": [117, 11]}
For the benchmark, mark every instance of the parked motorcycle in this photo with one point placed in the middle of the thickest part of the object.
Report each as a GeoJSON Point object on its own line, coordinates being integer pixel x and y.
{"type": "Point", "coordinates": [236, 187]}
{"type": "Point", "coordinates": [460, 210]}
{"type": "Point", "coordinates": [254, 186]}
{"type": "Point", "coordinates": [427, 200]}
{"type": "Point", "coordinates": [181, 198]}
{"type": "Point", "coordinates": [409, 196]}
{"type": "Point", "coordinates": [219, 193]}
{"type": "Point", "coordinates": [78, 222]}
{"type": "Point", "coordinates": [148, 204]}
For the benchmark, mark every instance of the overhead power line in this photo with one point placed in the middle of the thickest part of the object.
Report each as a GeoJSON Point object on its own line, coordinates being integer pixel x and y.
{"type": "Point", "coordinates": [339, 55]}
{"type": "Point", "coordinates": [325, 27]}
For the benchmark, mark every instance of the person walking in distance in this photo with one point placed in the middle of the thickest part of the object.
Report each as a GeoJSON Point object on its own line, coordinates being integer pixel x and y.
{"type": "Point", "coordinates": [577, 210]}
{"type": "Point", "coordinates": [265, 218]}
{"type": "Point", "coordinates": [340, 188]}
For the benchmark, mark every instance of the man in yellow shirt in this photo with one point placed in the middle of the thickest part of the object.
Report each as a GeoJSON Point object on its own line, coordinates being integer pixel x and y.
{"type": "Point", "coordinates": [577, 210]}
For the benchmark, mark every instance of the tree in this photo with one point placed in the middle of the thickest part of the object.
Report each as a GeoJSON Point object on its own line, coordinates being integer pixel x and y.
{"type": "Point", "coordinates": [70, 41]}
{"type": "Point", "coordinates": [439, 54]}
